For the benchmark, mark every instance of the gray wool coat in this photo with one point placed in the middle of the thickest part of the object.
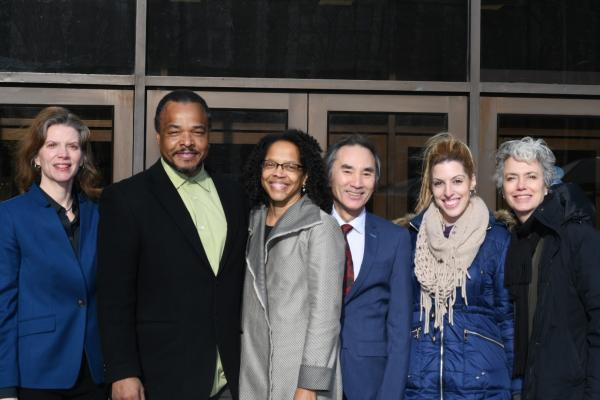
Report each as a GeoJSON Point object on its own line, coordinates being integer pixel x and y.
{"type": "Point", "coordinates": [291, 305]}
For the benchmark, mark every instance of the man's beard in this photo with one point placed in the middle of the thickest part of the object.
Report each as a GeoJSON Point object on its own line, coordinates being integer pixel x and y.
{"type": "Point", "coordinates": [186, 171]}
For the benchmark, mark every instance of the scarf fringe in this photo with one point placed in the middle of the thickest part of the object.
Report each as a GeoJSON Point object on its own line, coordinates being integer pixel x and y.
{"type": "Point", "coordinates": [441, 263]}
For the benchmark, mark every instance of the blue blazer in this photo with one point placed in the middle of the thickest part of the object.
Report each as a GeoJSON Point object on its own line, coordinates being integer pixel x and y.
{"type": "Point", "coordinates": [376, 316]}
{"type": "Point", "coordinates": [47, 296]}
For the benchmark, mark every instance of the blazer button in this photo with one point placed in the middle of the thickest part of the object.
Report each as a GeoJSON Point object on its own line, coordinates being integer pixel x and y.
{"type": "Point", "coordinates": [81, 303]}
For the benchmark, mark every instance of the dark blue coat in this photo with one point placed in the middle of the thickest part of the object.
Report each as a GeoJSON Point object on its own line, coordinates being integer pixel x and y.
{"type": "Point", "coordinates": [473, 358]}
{"type": "Point", "coordinates": [48, 314]}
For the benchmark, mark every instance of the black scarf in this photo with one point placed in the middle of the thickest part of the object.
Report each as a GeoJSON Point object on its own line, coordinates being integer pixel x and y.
{"type": "Point", "coordinates": [517, 277]}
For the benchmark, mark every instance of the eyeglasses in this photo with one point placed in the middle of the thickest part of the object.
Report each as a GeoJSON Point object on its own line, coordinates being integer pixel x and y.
{"type": "Point", "coordinates": [270, 165]}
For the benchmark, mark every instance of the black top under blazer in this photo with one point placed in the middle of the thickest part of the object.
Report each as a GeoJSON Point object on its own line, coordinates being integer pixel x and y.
{"type": "Point", "coordinates": [162, 311]}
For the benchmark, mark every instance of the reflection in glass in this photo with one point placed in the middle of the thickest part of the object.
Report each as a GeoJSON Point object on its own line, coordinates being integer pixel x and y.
{"type": "Point", "coordinates": [545, 41]}
{"type": "Point", "coordinates": [399, 139]}
{"type": "Point", "coordinates": [91, 36]}
{"type": "Point", "coordinates": [14, 120]}
{"type": "Point", "coordinates": [575, 141]}
{"type": "Point", "coordinates": [348, 39]}
{"type": "Point", "coordinates": [234, 133]}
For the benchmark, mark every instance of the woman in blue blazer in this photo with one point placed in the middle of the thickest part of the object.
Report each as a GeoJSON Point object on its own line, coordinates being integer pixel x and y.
{"type": "Point", "coordinates": [49, 340]}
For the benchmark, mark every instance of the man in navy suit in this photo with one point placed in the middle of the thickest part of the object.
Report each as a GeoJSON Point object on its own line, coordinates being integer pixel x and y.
{"type": "Point", "coordinates": [376, 313]}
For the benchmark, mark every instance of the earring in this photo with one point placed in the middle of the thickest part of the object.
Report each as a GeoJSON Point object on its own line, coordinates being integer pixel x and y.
{"type": "Point", "coordinates": [303, 190]}
{"type": "Point", "coordinates": [473, 191]}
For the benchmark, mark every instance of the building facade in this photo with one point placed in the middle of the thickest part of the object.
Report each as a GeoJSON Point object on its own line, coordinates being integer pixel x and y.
{"type": "Point", "coordinates": [397, 71]}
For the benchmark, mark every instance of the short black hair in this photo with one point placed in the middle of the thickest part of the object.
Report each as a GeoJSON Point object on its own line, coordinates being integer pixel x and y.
{"type": "Point", "coordinates": [353, 140]}
{"type": "Point", "coordinates": [180, 96]}
{"type": "Point", "coordinates": [317, 184]}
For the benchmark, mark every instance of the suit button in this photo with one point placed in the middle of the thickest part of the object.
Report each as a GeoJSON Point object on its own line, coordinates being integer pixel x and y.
{"type": "Point", "coordinates": [81, 303]}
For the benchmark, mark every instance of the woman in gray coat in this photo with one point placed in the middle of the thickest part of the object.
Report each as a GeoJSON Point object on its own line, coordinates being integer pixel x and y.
{"type": "Point", "coordinates": [293, 285]}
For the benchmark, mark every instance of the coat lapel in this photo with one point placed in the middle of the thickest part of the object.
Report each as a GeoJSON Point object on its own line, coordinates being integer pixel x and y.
{"type": "Point", "coordinates": [255, 253]}
{"type": "Point", "coordinates": [164, 191]}
{"type": "Point", "coordinates": [300, 216]}
{"type": "Point", "coordinates": [371, 248]}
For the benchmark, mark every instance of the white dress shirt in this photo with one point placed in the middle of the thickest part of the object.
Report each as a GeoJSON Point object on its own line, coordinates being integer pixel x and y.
{"type": "Point", "coordinates": [356, 238]}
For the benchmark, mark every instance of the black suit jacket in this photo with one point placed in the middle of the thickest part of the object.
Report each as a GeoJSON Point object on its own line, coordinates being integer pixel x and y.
{"type": "Point", "coordinates": [162, 311]}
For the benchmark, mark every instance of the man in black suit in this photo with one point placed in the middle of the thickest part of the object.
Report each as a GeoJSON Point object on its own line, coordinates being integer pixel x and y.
{"type": "Point", "coordinates": [170, 268]}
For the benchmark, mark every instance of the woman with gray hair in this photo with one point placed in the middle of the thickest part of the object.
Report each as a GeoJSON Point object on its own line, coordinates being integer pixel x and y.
{"type": "Point", "coordinates": [553, 276]}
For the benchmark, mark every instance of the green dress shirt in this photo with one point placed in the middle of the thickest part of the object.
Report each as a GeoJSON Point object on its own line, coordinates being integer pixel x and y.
{"type": "Point", "coordinates": [201, 199]}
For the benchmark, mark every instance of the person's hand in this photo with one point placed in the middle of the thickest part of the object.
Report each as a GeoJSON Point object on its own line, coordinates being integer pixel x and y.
{"type": "Point", "coordinates": [305, 394]}
{"type": "Point", "coordinates": [128, 389]}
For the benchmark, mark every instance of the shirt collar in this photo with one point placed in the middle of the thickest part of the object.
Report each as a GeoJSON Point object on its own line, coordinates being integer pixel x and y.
{"type": "Point", "coordinates": [60, 209]}
{"type": "Point", "coordinates": [358, 223]}
{"type": "Point", "coordinates": [179, 179]}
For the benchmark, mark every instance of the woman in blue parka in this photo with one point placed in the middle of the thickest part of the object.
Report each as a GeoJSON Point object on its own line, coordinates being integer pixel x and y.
{"type": "Point", "coordinates": [462, 328]}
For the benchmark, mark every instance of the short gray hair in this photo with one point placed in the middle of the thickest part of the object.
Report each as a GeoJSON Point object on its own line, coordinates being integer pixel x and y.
{"type": "Point", "coordinates": [353, 140]}
{"type": "Point", "coordinates": [528, 150]}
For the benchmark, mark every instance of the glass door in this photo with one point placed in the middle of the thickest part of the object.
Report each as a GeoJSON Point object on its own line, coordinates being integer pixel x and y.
{"type": "Point", "coordinates": [239, 120]}
{"type": "Point", "coordinates": [571, 127]}
{"type": "Point", "coordinates": [399, 126]}
{"type": "Point", "coordinates": [108, 114]}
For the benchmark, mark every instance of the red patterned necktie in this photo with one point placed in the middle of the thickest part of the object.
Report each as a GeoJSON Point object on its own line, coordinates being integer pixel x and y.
{"type": "Point", "coordinates": [349, 270]}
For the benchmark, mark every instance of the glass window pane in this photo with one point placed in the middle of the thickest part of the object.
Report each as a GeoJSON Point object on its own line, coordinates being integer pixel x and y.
{"type": "Point", "coordinates": [575, 141]}
{"type": "Point", "coordinates": [14, 120]}
{"type": "Point", "coordinates": [399, 139]}
{"type": "Point", "coordinates": [92, 36]}
{"type": "Point", "coordinates": [234, 133]}
{"type": "Point", "coordinates": [342, 39]}
{"type": "Point", "coordinates": [545, 41]}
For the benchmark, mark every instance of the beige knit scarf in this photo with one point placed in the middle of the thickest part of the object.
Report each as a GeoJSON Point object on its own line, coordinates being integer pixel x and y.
{"type": "Point", "coordinates": [441, 263]}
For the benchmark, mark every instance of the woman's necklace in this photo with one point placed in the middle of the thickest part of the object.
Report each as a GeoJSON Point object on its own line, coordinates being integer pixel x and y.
{"type": "Point", "coordinates": [69, 208]}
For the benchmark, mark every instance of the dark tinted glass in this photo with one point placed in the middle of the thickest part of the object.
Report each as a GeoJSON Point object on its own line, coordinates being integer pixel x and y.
{"type": "Point", "coordinates": [234, 133]}
{"type": "Point", "coordinates": [546, 41]}
{"type": "Point", "coordinates": [344, 39]}
{"type": "Point", "coordinates": [91, 36]}
{"type": "Point", "coordinates": [399, 139]}
{"type": "Point", "coordinates": [15, 119]}
{"type": "Point", "coordinates": [574, 140]}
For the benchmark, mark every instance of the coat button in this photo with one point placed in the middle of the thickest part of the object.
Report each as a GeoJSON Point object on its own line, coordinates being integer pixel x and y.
{"type": "Point", "coordinates": [81, 303]}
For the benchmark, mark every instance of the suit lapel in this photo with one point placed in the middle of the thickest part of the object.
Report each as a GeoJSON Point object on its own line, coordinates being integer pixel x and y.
{"type": "Point", "coordinates": [371, 246]}
{"type": "Point", "coordinates": [229, 208]}
{"type": "Point", "coordinates": [87, 236]}
{"type": "Point", "coordinates": [166, 194]}
{"type": "Point", "coordinates": [49, 216]}
{"type": "Point", "coordinates": [64, 247]}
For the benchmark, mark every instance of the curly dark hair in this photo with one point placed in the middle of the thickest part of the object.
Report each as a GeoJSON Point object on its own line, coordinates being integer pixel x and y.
{"type": "Point", "coordinates": [317, 184]}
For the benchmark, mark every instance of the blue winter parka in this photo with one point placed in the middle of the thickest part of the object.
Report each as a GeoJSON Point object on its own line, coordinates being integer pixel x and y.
{"type": "Point", "coordinates": [472, 358]}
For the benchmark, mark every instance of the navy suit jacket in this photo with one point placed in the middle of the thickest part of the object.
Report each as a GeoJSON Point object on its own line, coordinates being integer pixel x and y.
{"type": "Point", "coordinates": [47, 296]}
{"type": "Point", "coordinates": [376, 316]}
